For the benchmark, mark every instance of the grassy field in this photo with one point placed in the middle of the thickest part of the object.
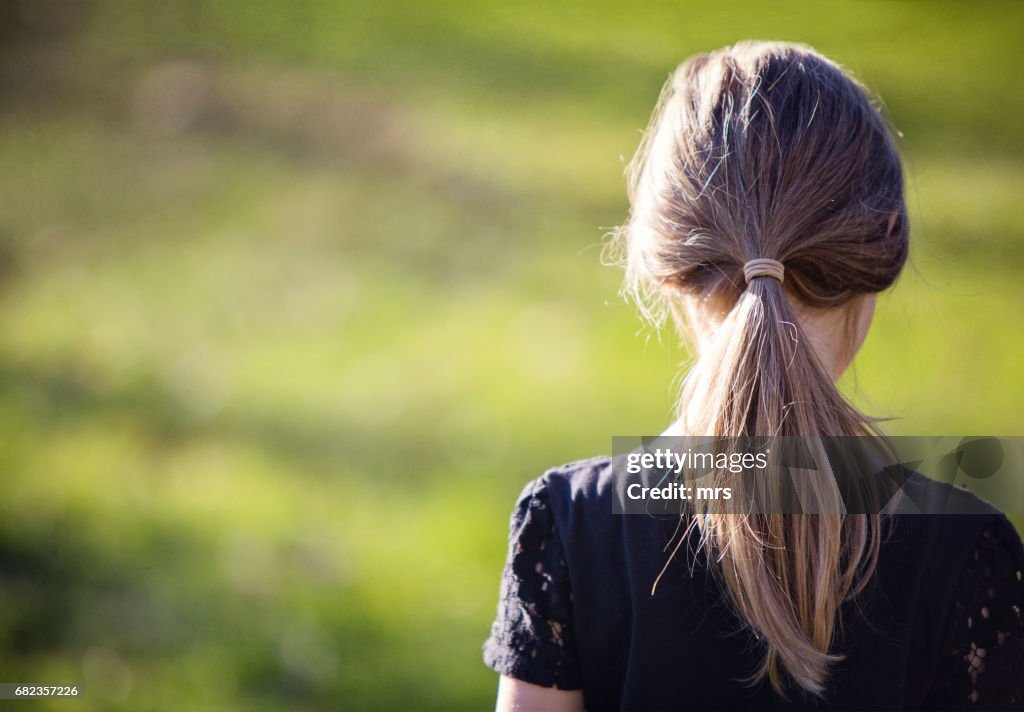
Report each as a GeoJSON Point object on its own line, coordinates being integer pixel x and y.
{"type": "Point", "coordinates": [296, 296]}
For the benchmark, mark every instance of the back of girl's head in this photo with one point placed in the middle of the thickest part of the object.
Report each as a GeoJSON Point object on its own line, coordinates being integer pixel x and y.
{"type": "Point", "coordinates": [765, 150]}
{"type": "Point", "coordinates": [770, 151]}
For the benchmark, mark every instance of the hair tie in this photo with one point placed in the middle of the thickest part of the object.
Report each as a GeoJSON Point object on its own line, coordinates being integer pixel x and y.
{"type": "Point", "coordinates": [764, 267]}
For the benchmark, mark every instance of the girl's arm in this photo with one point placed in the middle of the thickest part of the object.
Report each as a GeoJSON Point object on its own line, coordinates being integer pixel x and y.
{"type": "Point", "coordinates": [516, 695]}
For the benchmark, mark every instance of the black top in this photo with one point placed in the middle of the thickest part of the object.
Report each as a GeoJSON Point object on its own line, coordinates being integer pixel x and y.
{"type": "Point", "coordinates": [940, 626]}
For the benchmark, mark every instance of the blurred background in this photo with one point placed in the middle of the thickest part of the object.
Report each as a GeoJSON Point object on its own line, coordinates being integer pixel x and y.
{"type": "Point", "coordinates": [296, 296]}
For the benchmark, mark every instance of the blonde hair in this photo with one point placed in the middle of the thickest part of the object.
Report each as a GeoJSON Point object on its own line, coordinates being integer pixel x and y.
{"type": "Point", "coordinates": [769, 150]}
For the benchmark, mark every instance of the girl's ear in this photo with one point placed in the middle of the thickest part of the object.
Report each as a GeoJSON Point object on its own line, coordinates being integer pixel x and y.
{"type": "Point", "coordinates": [892, 223]}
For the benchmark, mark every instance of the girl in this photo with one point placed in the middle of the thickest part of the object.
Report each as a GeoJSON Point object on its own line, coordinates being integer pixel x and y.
{"type": "Point", "coordinates": [767, 212]}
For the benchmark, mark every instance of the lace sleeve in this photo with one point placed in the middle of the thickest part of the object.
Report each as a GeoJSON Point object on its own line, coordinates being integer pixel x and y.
{"type": "Point", "coordinates": [532, 637]}
{"type": "Point", "coordinates": [982, 667]}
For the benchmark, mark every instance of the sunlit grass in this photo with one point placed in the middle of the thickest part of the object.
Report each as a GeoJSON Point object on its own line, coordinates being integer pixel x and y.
{"type": "Point", "coordinates": [270, 386]}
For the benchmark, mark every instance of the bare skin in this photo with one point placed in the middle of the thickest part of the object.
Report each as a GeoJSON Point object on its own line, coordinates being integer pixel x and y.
{"type": "Point", "coordinates": [836, 335]}
{"type": "Point", "coordinates": [523, 697]}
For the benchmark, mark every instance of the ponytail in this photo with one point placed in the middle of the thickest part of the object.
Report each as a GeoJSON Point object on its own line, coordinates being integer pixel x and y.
{"type": "Point", "coordinates": [787, 574]}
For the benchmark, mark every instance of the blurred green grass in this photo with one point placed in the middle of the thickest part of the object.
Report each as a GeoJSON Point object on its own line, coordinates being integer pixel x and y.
{"type": "Point", "coordinates": [296, 296]}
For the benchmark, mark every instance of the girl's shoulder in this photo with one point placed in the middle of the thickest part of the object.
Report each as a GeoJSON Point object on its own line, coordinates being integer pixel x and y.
{"type": "Point", "coordinates": [581, 488]}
